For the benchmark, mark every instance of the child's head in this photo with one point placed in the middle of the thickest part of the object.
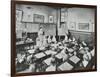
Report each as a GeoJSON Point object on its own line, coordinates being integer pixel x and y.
{"type": "Point", "coordinates": [86, 48]}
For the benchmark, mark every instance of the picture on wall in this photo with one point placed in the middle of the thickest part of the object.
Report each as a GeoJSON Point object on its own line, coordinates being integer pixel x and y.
{"type": "Point", "coordinates": [18, 15]}
{"type": "Point", "coordinates": [38, 18]}
{"type": "Point", "coordinates": [51, 19]}
{"type": "Point", "coordinates": [27, 15]}
{"type": "Point", "coordinates": [44, 41]}
{"type": "Point", "coordinates": [83, 26]}
{"type": "Point", "coordinates": [72, 26]}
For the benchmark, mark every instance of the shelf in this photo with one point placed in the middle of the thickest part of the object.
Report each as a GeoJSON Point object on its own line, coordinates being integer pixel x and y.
{"type": "Point", "coordinates": [45, 23]}
{"type": "Point", "coordinates": [41, 23]}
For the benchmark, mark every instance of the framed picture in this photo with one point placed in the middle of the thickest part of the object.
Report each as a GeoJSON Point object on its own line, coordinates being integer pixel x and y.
{"type": "Point", "coordinates": [36, 53]}
{"type": "Point", "coordinates": [27, 14]}
{"type": "Point", "coordinates": [18, 15]}
{"type": "Point", "coordinates": [72, 26]}
{"type": "Point", "coordinates": [83, 26]}
{"type": "Point", "coordinates": [51, 19]}
{"type": "Point", "coordinates": [38, 18]}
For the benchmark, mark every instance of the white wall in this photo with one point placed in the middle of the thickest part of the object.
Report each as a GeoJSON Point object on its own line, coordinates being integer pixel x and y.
{"type": "Point", "coordinates": [41, 10]}
{"type": "Point", "coordinates": [38, 9]}
{"type": "Point", "coordinates": [81, 15]}
{"type": "Point", "coordinates": [30, 26]}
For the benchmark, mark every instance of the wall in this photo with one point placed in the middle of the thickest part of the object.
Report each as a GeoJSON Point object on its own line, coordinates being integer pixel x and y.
{"type": "Point", "coordinates": [81, 15]}
{"type": "Point", "coordinates": [30, 26]}
{"type": "Point", "coordinates": [38, 9]}
{"type": "Point", "coordinates": [74, 16]}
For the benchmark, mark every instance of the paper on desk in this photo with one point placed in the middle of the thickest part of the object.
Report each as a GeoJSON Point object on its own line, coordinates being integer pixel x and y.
{"type": "Point", "coordinates": [70, 50]}
{"type": "Point", "coordinates": [50, 52]}
{"type": "Point", "coordinates": [62, 54]}
{"type": "Point", "coordinates": [74, 59]}
{"type": "Point", "coordinates": [51, 68]}
{"type": "Point", "coordinates": [31, 51]}
{"type": "Point", "coordinates": [48, 61]}
{"type": "Point", "coordinates": [59, 56]}
{"type": "Point", "coordinates": [39, 55]}
{"type": "Point", "coordinates": [65, 66]}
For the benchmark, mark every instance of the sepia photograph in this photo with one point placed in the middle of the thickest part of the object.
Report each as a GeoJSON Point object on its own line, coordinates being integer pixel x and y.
{"type": "Point", "coordinates": [54, 38]}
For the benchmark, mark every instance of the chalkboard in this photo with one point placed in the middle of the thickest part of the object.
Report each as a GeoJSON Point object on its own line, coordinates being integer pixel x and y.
{"type": "Point", "coordinates": [49, 29]}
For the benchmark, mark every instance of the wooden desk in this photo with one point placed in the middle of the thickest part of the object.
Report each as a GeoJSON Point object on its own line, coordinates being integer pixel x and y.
{"type": "Point", "coordinates": [24, 43]}
{"type": "Point", "coordinates": [59, 56]}
{"type": "Point", "coordinates": [31, 51]}
{"type": "Point", "coordinates": [22, 46]}
{"type": "Point", "coordinates": [39, 55]}
{"type": "Point", "coordinates": [62, 55]}
{"type": "Point", "coordinates": [50, 52]}
{"type": "Point", "coordinates": [65, 66]}
{"type": "Point", "coordinates": [70, 50]}
{"type": "Point", "coordinates": [51, 68]}
{"type": "Point", "coordinates": [48, 61]}
{"type": "Point", "coordinates": [74, 59]}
